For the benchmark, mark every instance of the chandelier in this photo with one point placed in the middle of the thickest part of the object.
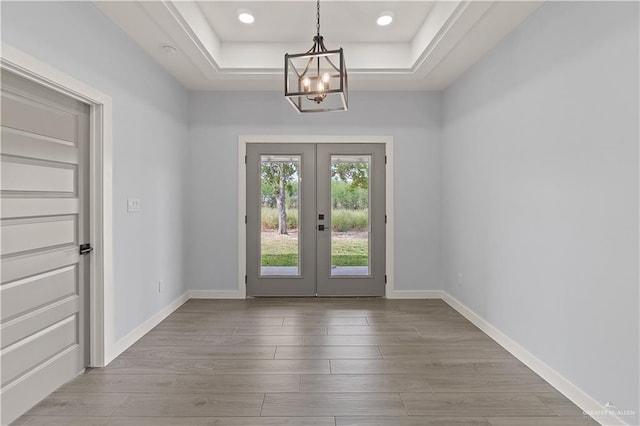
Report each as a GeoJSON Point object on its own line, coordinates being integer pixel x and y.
{"type": "Point", "coordinates": [316, 81]}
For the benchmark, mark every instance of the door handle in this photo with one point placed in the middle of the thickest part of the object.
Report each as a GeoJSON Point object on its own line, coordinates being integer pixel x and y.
{"type": "Point", "coordinates": [320, 227]}
{"type": "Point", "coordinates": [85, 248]}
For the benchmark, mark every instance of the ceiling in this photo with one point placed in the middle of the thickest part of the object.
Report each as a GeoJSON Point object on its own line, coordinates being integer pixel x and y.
{"type": "Point", "coordinates": [428, 45]}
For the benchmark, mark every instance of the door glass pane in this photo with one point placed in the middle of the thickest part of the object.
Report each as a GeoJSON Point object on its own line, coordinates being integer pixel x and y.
{"type": "Point", "coordinates": [350, 214]}
{"type": "Point", "coordinates": [279, 201]}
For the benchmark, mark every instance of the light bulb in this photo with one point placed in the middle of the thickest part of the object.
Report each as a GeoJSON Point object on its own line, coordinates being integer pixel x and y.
{"type": "Point", "coordinates": [245, 16]}
{"type": "Point", "coordinates": [306, 83]}
{"type": "Point", "coordinates": [385, 19]}
{"type": "Point", "coordinates": [326, 77]}
{"type": "Point", "coordinates": [320, 86]}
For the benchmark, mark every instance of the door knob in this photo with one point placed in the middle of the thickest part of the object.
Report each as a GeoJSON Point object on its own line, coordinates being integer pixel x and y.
{"type": "Point", "coordinates": [85, 248]}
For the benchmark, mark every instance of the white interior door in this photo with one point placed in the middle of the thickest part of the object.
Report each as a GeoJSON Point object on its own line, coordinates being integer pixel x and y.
{"type": "Point", "coordinates": [44, 219]}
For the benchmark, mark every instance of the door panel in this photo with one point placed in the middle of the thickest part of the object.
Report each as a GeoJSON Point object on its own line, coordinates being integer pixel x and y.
{"type": "Point", "coordinates": [20, 359]}
{"type": "Point", "coordinates": [14, 331]}
{"type": "Point", "coordinates": [53, 122]}
{"type": "Point", "coordinates": [43, 289]}
{"type": "Point", "coordinates": [20, 235]}
{"type": "Point", "coordinates": [44, 187]}
{"type": "Point", "coordinates": [361, 272]}
{"type": "Point", "coordinates": [20, 175]}
{"type": "Point", "coordinates": [337, 245]}
{"type": "Point", "coordinates": [289, 270]}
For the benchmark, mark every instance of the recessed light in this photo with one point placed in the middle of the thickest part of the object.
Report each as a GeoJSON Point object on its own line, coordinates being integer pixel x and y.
{"type": "Point", "coordinates": [245, 16]}
{"type": "Point", "coordinates": [385, 19]}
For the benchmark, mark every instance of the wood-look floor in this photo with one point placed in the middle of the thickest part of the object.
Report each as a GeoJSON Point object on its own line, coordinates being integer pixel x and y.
{"type": "Point", "coordinates": [311, 362]}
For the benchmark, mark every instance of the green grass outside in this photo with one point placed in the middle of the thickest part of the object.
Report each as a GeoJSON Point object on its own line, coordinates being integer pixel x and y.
{"type": "Point", "coordinates": [344, 252]}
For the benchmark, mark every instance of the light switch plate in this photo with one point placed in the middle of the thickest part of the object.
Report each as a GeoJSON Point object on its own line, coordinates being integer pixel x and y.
{"type": "Point", "coordinates": [133, 205]}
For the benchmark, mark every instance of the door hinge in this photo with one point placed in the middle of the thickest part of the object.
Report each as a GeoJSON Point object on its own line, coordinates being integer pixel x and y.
{"type": "Point", "coordinates": [385, 218]}
{"type": "Point", "coordinates": [245, 279]}
{"type": "Point", "coordinates": [385, 279]}
{"type": "Point", "coordinates": [245, 219]}
{"type": "Point", "coordinates": [385, 159]}
{"type": "Point", "coordinates": [245, 159]}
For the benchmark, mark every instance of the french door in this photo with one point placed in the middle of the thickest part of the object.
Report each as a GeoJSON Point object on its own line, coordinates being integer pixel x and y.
{"type": "Point", "coordinates": [315, 219]}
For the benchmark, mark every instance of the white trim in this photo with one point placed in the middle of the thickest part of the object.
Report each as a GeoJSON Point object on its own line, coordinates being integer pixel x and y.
{"type": "Point", "coordinates": [134, 335]}
{"type": "Point", "coordinates": [101, 321]}
{"type": "Point", "coordinates": [414, 294]}
{"type": "Point", "coordinates": [216, 294]}
{"type": "Point", "coordinates": [243, 140]}
{"type": "Point", "coordinates": [242, 212]}
{"type": "Point", "coordinates": [555, 379]}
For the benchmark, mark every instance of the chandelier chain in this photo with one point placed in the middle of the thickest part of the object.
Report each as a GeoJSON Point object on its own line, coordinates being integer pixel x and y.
{"type": "Point", "coordinates": [318, 17]}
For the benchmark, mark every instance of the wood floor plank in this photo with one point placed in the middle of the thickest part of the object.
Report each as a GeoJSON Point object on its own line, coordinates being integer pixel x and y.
{"type": "Point", "coordinates": [259, 366]}
{"type": "Point", "coordinates": [364, 383]}
{"type": "Point", "coordinates": [186, 405]}
{"type": "Point", "coordinates": [221, 321]}
{"type": "Point", "coordinates": [192, 330]}
{"type": "Point", "coordinates": [78, 404]}
{"type": "Point", "coordinates": [65, 421]}
{"type": "Point", "coordinates": [200, 352]}
{"type": "Point", "coordinates": [395, 330]}
{"type": "Point", "coordinates": [312, 314]}
{"type": "Point", "coordinates": [180, 421]}
{"type": "Point", "coordinates": [333, 404]}
{"type": "Point", "coordinates": [327, 352]}
{"type": "Point", "coordinates": [411, 421]}
{"type": "Point", "coordinates": [388, 340]}
{"type": "Point", "coordinates": [353, 340]}
{"type": "Point", "coordinates": [520, 383]}
{"type": "Point", "coordinates": [305, 321]}
{"type": "Point", "coordinates": [403, 319]}
{"type": "Point", "coordinates": [254, 340]}
{"type": "Point", "coordinates": [445, 351]}
{"type": "Point", "coordinates": [180, 384]}
{"type": "Point", "coordinates": [284, 330]}
{"type": "Point", "coordinates": [440, 368]}
{"type": "Point", "coordinates": [444, 327]}
{"type": "Point", "coordinates": [542, 421]}
{"type": "Point", "coordinates": [474, 404]}
{"type": "Point", "coordinates": [560, 405]}
{"type": "Point", "coordinates": [468, 338]}
{"type": "Point", "coordinates": [170, 340]}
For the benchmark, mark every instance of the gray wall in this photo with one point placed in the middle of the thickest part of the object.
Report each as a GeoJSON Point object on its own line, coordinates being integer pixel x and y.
{"type": "Point", "coordinates": [149, 137]}
{"type": "Point", "coordinates": [540, 192]}
{"type": "Point", "coordinates": [217, 119]}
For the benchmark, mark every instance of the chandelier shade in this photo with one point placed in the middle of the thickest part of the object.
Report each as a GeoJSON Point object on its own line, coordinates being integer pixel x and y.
{"type": "Point", "coordinates": [316, 81]}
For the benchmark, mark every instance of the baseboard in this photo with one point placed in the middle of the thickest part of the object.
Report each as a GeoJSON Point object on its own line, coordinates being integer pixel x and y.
{"type": "Point", "coordinates": [576, 395]}
{"type": "Point", "coordinates": [135, 334]}
{"type": "Point", "coordinates": [216, 294]}
{"type": "Point", "coordinates": [413, 294]}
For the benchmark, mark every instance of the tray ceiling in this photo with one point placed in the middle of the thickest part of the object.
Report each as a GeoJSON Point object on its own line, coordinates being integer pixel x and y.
{"type": "Point", "coordinates": [427, 46]}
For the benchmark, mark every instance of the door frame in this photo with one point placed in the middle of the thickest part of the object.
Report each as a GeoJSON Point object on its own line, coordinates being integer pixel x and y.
{"type": "Point", "coordinates": [243, 140]}
{"type": "Point", "coordinates": [101, 308]}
